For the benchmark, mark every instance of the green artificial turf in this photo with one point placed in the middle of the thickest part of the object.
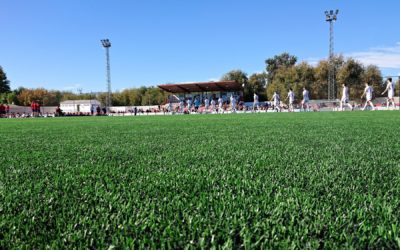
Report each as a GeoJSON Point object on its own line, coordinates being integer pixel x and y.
{"type": "Point", "coordinates": [277, 180]}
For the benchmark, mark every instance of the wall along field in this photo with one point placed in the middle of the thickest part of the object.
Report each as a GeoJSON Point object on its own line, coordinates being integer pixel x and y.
{"type": "Point", "coordinates": [287, 180]}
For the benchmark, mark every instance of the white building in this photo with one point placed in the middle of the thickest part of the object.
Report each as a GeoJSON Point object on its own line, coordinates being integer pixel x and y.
{"type": "Point", "coordinates": [85, 106]}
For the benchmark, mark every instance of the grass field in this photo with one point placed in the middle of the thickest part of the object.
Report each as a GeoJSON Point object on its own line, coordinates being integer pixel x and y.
{"type": "Point", "coordinates": [287, 180]}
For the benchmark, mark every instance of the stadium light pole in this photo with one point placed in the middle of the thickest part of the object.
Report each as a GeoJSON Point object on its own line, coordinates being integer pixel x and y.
{"type": "Point", "coordinates": [331, 17]}
{"type": "Point", "coordinates": [107, 44]}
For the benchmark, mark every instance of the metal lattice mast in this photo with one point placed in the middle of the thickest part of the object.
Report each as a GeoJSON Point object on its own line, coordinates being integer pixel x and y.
{"type": "Point", "coordinates": [331, 17]}
{"type": "Point", "coordinates": [107, 44]}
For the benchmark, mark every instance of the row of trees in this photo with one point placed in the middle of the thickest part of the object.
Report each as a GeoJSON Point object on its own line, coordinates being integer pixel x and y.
{"type": "Point", "coordinates": [127, 97]}
{"type": "Point", "coordinates": [281, 73]}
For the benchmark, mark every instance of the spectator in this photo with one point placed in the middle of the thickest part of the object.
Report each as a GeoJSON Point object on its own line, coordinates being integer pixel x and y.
{"type": "Point", "coordinates": [2, 110]}
{"type": "Point", "coordinates": [7, 109]}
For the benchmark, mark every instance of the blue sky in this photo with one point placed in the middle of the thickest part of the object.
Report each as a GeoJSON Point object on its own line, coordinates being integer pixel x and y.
{"type": "Point", "coordinates": [55, 44]}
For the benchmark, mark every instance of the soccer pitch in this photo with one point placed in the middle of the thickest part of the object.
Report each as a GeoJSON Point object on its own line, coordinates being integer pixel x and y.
{"type": "Point", "coordinates": [276, 180]}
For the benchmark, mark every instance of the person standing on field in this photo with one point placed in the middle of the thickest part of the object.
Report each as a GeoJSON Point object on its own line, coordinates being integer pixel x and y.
{"type": "Point", "coordinates": [390, 90]}
{"type": "Point", "coordinates": [7, 109]}
{"type": "Point", "coordinates": [368, 95]}
{"type": "Point", "coordinates": [306, 100]}
{"type": "Point", "coordinates": [196, 104]}
{"type": "Point", "coordinates": [181, 106]}
{"type": "Point", "coordinates": [220, 103]}
{"type": "Point", "coordinates": [33, 106]}
{"type": "Point", "coordinates": [206, 104]}
{"type": "Point", "coordinates": [38, 109]}
{"type": "Point", "coordinates": [290, 96]}
{"type": "Point", "coordinates": [277, 101]}
{"type": "Point", "coordinates": [256, 103]}
{"type": "Point", "coordinates": [233, 104]}
{"type": "Point", "coordinates": [345, 97]}
{"type": "Point", "coordinates": [2, 110]}
{"type": "Point", "coordinates": [212, 105]}
{"type": "Point", "coordinates": [189, 105]}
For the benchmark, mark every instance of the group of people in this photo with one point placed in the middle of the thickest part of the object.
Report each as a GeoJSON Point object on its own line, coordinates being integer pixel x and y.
{"type": "Point", "coordinates": [344, 101]}
{"type": "Point", "coordinates": [368, 94]}
{"type": "Point", "coordinates": [220, 106]}
{"type": "Point", "coordinates": [305, 102]}
{"type": "Point", "coordinates": [209, 106]}
{"type": "Point", "coordinates": [35, 106]}
{"type": "Point", "coordinates": [276, 100]}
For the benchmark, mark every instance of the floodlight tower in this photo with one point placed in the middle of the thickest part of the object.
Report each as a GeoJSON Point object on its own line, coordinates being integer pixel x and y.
{"type": "Point", "coordinates": [331, 17]}
{"type": "Point", "coordinates": [107, 44]}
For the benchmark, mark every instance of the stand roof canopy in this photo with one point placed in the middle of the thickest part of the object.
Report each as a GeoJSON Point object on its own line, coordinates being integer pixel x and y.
{"type": "Point", "coordinates": [201, 87]}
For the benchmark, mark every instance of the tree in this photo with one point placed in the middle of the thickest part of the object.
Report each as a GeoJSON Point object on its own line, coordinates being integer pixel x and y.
{"type": "Point", "coordinates": [351, 73]}
{"type": "Point", "coordinates": [319, 89]}
{"type": "Point", "coordinates": [255, 84]}
{"type": "Point", "coordinates": [235, 75]}
{"type": "Point", "coordinates": [154, 96]}
{"type": "Point", "coordinates": [305, 78]}
{"type": "Point", "coordinates": [284, 60]}
{"type": "Point", "coordinates": [11, 98]}
{"type": "Point", "coordinates": [284, 79]}
{"type": "Point", "coordinates": [4, 83]}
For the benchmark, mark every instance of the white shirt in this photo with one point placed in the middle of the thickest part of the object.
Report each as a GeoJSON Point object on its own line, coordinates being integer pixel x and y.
{"type": "Point", "coordinates": [305, 95]}
{"type": "Point", "coordinates": [255, 98]}
{"type": "Point", "coordinates": [206, 102]}
{"type": "Point", "coordinates": [276, 98]}
{"type": "Point", "coordinates": [291, 96]}
{"type": "Point", "coordinates": [368, 90]}
{"type": "Point", "coordinates": [233, 100]}
{"type": "Point", "coordinates": [213, 102]}
{"type": "Point", "coordinates": [390, 87]}
{"type": "Point", "coordinates": [189, 102]}
{"type": "Point", "coordinates": [220, 101]}
{"type": "Point", "coordinates": [345, 93]}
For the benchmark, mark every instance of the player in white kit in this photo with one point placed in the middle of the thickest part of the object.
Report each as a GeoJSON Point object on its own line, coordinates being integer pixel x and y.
{"type": "Point", "coordinates": [345, 97]}
{"type": "Point", "coordinates": [277, 101]}
{"type": "Point", "coordinates": [213, 105]}
{"type": "Point", "coordinates": [233, 104]}
{"type": "Point", "coordinates": [189, 105]}
{"type": "Point", "coordinates": [390, 90]}
{"type": "Point", "coordinates": [220, 103]}
{"type": "Point", "coordinates": [290, 96]}
{"type": "Point", "coordinates": [181, 106]}
{"type": "Point", "coordinates": [206, 105]}
{"type": "Point", "coordinates": [256, 103]}
{"type": "Point", "coordinates": [368, 95]}
{"type": "Point", "coordinates": [306, 99]}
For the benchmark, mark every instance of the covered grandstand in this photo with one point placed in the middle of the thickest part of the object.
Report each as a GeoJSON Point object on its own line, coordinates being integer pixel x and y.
{"type": "Point", "coordinates": [214, 90]}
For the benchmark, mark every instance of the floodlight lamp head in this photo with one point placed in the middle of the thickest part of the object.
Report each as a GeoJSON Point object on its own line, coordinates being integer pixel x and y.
{"type": "Point", "coordinates": [331, 12]}
{"type": "Point", "coordinates": [337, 12]}
{"type": "Point", "coordinates": [326, 13]}
{"type": "Point", "coordinates": [106, 43]}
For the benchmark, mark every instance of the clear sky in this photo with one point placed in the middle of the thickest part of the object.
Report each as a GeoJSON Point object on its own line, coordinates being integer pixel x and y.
{"type": "Point", "coordinates": [55, 44]}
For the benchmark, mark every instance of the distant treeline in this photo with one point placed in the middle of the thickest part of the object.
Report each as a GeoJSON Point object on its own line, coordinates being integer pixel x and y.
{"type": "Point", "coordinates": [281, 73]}
{"type": "Point", "coordinates": [127, 97]}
